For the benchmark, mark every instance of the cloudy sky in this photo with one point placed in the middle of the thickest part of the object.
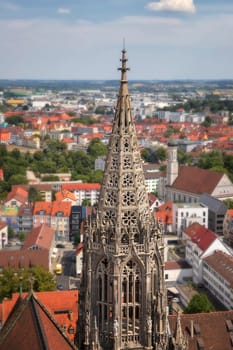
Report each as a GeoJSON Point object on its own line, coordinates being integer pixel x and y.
{"type": "Point", "coordinates": [82, 39]}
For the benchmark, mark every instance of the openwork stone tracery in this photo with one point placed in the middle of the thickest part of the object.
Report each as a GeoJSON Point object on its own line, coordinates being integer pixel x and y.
{"type": "Point", "coordinates": [122, 282]}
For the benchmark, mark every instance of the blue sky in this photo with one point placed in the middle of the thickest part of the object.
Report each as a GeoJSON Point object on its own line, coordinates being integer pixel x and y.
{"type": "Point", "coordinates": [82, 39]}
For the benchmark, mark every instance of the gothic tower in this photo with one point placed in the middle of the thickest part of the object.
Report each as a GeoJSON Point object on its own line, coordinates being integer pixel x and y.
{"type": "Point", "coordinates": [172, 164]}
{"type": "Point", "coordinates": [122, 300]}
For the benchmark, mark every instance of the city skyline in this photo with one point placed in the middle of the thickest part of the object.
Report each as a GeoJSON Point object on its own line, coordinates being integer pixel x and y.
{"type": "Point", "coordinates": [81, 39]}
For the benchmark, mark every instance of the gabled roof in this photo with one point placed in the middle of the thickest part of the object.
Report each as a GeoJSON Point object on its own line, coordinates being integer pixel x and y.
{"type": "Point", "coordinates": [41, 236]}
{"type": "Point", "coordinates": [18, 194]}
{"type": "Point", "coordinates": [42, 206]}
{"type": "Point", "coordinates": [195, 180]}
{"type": "Point", "coordinates": [62, 305]}
{"type": "Point", "coordinates": [65, 195]}
{"type": "Point", "coordinates": [31, 326]}
{"type": "Point", "coordinates": [210, 329]}
{"type": "Point", "coordinates": [200, 235]}
{"type": "Point", "coordinates": [64, 207]}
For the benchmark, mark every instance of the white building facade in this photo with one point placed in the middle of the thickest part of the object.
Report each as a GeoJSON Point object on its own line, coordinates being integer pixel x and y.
{"type": "Point", "coordinates": [185, 214]}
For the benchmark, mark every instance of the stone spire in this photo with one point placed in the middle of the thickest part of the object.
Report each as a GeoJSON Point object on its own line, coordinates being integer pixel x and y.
{"type": "Point", "coordinates": [122, 299]}
{"type": "Point", "coordinates": [123, 200]}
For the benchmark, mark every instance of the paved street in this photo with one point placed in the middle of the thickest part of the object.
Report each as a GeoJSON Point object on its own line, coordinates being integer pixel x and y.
{"type": "Point", "coordinates": [68, 278]}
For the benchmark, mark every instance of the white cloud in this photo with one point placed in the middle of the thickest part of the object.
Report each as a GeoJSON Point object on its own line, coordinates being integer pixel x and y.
{"type": "Point", "coordinates": [172, 5]}
{"type": "Point", "coordinates": [158, 48]}
{"type": "Point", "coordinates": [63, 11]}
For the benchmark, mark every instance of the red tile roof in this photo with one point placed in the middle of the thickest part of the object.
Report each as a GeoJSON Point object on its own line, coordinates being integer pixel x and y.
{"type": "Point", "coordinates": [41, 236]}
{"type": "Point", "coordinates": [202, 236]}
{"type": "Point", "coordinates": [81, 187]}
{"type": "Point", "coordinates": [18, 194]}
{"type": "Point", "coordinates": [63, 195]}
{"type": "Point", "coordinates": [210, 328]}
{"type": "Point", "coordinates": [24, 258]}
{"type": "Point", "coordinates": [42, 206]}
{"type": "Point", "coordinates": [64, 207]}
{"type": "Point", "coordinates": [195, 180]}
{"type": "Point", "coordinates": [31, 326]}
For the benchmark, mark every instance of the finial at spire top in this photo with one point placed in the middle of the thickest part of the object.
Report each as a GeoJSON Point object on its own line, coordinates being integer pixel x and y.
{"type": "Point", "coordinates": [123, 67]}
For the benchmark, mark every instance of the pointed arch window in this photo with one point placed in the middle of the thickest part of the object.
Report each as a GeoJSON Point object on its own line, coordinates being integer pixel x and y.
{"type": "Point", "coordinates": [131, 301]}
{"type": "Point", "coordinates": [104, 297]}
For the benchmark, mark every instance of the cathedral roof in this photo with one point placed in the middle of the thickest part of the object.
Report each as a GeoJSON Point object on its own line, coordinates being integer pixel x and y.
{"type": "Point", "coordinates": [211, 330]}
{"type": "Point", "coordinates": [30, 326]}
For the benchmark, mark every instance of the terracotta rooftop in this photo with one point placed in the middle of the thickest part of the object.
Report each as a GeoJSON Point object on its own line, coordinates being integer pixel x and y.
{"type": "Point", "coordinates": [200, 235]}
{"type": "Point", "coordinates": [81, 186]}
{"type": "Point", "coordinates": [41, 236]}
{"type": "Point", "coordinates": [31, 326]}
{"type": "Point", "coordinates": [195, 180]}
{"type": "Point", "coordinates": [62, 305]}
{"type": "Point", "coordinates": [64, 207]}
{"type": "Point", "coordinates": [24, 258]}
{"type": "Point", "coordinates": [42, 206]}
{"type": "Point", "coordinates": [213, 330]}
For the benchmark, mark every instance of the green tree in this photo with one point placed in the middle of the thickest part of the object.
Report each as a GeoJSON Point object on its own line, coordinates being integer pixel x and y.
{"type": "Point", "coordinates": [161, 154]}
{"type": "Point", "coordinates": [207, 122]}
{"type": "Point", "coordinates": [18, 179]}
{"type": "Point", "coordinates": [146, 154]}
{"type": "Point", "coordinates": [96, 176]}
{"type": "Point", "coordinates": [12, 281]}
{"type": "Point", "coordinates": [199, 303]}
{"type": "Point", "coordinates": [211, 160]}
{"type": "Point", "coordinates": [96, 148]}
{"type": "Point", "coordinates": [86, 202]}
{"type": "Point", "coordinates": [50, 178]}
{"type": "Point", "coordinates": [34, 195]}
{"type": "Point", "coordinates": [15, 119]}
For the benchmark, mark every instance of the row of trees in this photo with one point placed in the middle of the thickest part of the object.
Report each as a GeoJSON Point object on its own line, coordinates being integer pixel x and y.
{"type": "Point", "coordinates": [54, 159]}
{"type": "Point", "coordinates": [211, 102]}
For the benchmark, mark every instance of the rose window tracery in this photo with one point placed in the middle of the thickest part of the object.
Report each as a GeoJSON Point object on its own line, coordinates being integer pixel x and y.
{"type": "Point", "coordinates": [111, 198]}
{"type": "Point", "coordinates": [129, 218]}
{"type": "Point", "coordinates": [126, 145]}
{"type": "Point", "coordinates": [127, 180]}
{"type": "Point", "coordinates": [113, 180]}
{"type": "Point", "coordinates": [115, 163]}
{"type": "Point", "coordinates": [127, 162]}
{"type": "Point", "coordinates": [109, 217]}
{"type": "Point", "coordinates": [128, 198]}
